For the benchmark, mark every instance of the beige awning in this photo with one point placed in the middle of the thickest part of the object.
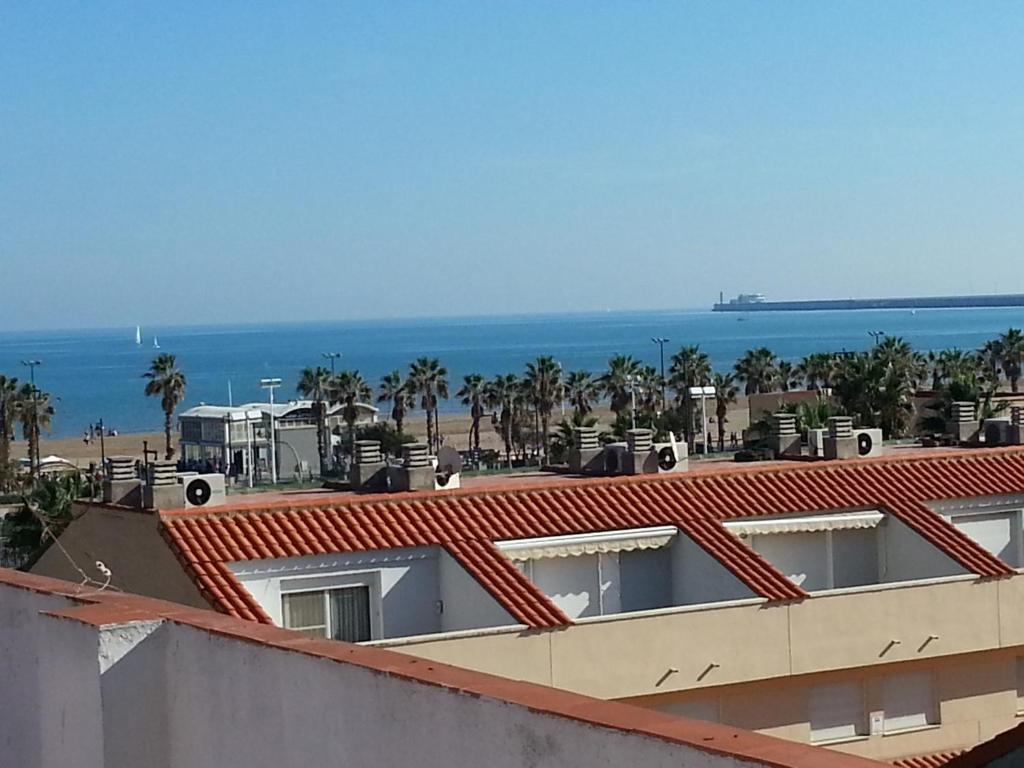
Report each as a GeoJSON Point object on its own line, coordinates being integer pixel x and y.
{"type": "Point", "coordinates": [841, 521]}
{"type": "Point", "coordinates": [603, 542]}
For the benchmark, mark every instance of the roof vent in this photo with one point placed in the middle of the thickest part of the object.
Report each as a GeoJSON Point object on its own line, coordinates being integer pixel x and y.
{"type": "Point", "coordinates": [122, 485]}
{"type": "Point", "coordinates": [783, 424]}
{"type": "Point", "coordinates": [368, 452]}
{"type": "Point", "coordinates": [121, 468]}
{"type": "Point", "coordinates": [639, 440]}
{"type": "Point", "coordinates": [963, 412]}
{"type": "Point", "coordinates": [964, 425]}
{"type": "Point", "coordinates": [415, 455]}
{"type": "Point", "coordinates": [1017, 416]}
{"type": "Point", "coordinates": [840, 427]}
{"type": "Point", "coordinates": [585, 438]}
{"type": "Point", "coordinates": [163, 472]}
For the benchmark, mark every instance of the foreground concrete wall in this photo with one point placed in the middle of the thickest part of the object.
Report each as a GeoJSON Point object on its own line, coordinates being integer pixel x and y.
{"type": "Point", "coordinates": [115, 681]}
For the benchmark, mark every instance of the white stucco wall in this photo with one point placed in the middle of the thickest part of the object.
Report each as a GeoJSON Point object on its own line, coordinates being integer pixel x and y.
{"type": "Point", "coordinates": [699, 578]}
{"type": "Point", "coordinates": [407, 579]}
{"type": "Point", "coordinates": [166, 694]}
{"type": "Point", "coordinates": [467, 605]}
{"type": "Point", "coordinates": [283, 709]}
{"type": "Point", "coordinates": [906, 556]}
{"type": "Point", "coordinates": [50, 708]}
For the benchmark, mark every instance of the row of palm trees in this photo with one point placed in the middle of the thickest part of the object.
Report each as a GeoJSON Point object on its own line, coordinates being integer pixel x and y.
{"type": "Point", "coordinates": [876, 387]}
{"type": "Point", "coordinates": [24, 404]}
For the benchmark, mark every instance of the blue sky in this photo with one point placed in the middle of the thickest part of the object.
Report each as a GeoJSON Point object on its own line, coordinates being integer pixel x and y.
{"type": "Point", "coordinates": [204, 162]}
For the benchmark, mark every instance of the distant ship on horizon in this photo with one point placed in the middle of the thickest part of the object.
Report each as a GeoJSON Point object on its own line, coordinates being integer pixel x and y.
{"type": "Point", "coordinates": [758, 302]}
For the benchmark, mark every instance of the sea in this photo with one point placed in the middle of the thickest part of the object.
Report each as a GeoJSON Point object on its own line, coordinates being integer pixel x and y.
{"type": "Point", "coordinates": [97, 374]}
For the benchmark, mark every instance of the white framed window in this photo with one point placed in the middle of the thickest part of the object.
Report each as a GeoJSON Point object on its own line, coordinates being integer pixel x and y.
{"type": "Point", "coordinates": [909, 702]}
{"type": "Point", "coordinates": [343, 613]}
{"type": "Point", "coordinates": [836, 711]}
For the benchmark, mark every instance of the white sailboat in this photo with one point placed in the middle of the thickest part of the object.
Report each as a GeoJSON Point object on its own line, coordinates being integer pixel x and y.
{"type": "Point", "coordinates": [156, 344]}
{"type": "Point", "coordinates": [138, 335]}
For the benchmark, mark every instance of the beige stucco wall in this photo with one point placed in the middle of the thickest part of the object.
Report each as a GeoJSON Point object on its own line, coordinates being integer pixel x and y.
{"type": "Point", "coordinates": [690, 648]}
{"type": "Point", "coordinates": [976, 695]}
{"type": "Point", "coordinates": [129, 544]}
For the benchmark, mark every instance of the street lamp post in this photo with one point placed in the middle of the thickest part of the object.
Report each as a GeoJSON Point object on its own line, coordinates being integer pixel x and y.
{"type": "Point", "coordinates": [332, 356]}
{"type": "Point", "coordinates": [103, 449]}
{"type": "Point", "coordinates": [876, 335]}
{"type": "Point", "coordinates": [270, 385]}
{"type": "Point", "coordinates": [31, 364]}
{"type": "Point", "coordinates": [661, 342]}
{"type": "Point", "coordinates": [632, 399]}
{"type": "Point", "coordinates": [703, 393]}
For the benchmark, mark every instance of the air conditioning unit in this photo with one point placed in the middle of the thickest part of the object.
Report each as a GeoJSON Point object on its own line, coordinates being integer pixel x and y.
{"type": "Point", "coordinates": [670, 457]}
{"type": "Point", "coordinates": [869, 442]}
{"type": "Point", "coordinates": [447, 481]}
{"type": "Point", "coordinates": [615, 455]}
{"type": "Point", "coordinates": [202, 490]}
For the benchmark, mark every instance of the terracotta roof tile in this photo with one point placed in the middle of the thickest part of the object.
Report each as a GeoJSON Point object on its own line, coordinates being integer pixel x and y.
{"type": "Point", "coordinates": [936, 760]}
{"type": "Point", "coordinates": [466, 522]}
{"type": "Point", "coordinates": [989, 751]}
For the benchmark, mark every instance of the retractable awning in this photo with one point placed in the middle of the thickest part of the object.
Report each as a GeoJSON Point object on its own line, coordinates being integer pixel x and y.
{"type": "Point", "coordinates": [603, 542]}
{"type": "Point", "coordinates": [840, 521]}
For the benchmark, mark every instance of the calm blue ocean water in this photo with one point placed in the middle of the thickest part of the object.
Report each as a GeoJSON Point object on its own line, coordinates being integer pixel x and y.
{"type": "Point", "coordinates": [98, 373]}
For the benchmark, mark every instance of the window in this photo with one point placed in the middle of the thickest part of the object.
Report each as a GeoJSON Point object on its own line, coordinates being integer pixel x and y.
{"type": "Point", "coordinates": [909, 702]}
{"type": "Point", "coordinates": [341, 614]}
{"type": "Point", "coordinates": [836, 711]}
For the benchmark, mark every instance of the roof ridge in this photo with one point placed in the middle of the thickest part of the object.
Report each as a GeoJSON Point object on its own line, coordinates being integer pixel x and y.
{"type": "Point", "coordinates": [349, 499]}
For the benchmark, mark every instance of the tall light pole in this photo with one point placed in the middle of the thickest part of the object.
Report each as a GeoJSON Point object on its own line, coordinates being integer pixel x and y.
{"type": "Point", "coordinates": [703, 393]}
{"type": "Point", "coordinates": [332, 356]}
{"type": "Point", "coordinates": [31, 365]}
{"type": "Point", "coordinates": [876, 335]}
{"type": "Point", "coordinates": [632, 398]}
{"type": "Point", "coordinates": [271, 385]}
{"type": "Point", "coordinates": [661, 348]}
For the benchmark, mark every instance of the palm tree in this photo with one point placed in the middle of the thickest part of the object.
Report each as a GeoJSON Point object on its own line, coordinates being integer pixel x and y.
{"type": "Point", "coordinates": [787, 375]}
{"type": "Point", "coordinates": [819, 369]}
{"type": "Point", "coordinates": [690, 368]}
{"type": "Point", "coordinates": [951, 364]}
{"type": "Point", "coordinates": [989, 361]}
{"type": "Point", "coordinates": [8, 415]}
{"type": "Point", "coordinates": [167, 382]}
{"type": "Point", "coordinates": [395, 391]}
{"type": "Point", "coordinates": [349, 388]}
{"type": "Point", "coordinates": [582, 392]}
{"type": "Point", "coordinates": [35, 411]}
{"type": "Point", "coordinates": [501, 393]}
{"type": "Point", "coordinates": [429, 379]}
{"type": "Point", "coordinates": [1011, 354]}
{"type": "Point", "coordinates": [758, 370]}
{"type": "Point", "coordinates": [314, 384]}
{"type": "Point", "coordinates": [543, 388]}
{"type": "Point", "coordinates": [617, 382]}
{"type": "Point", "coordinates": [472, 394]}
{"type": "Point", "coordinates": [725, 394]}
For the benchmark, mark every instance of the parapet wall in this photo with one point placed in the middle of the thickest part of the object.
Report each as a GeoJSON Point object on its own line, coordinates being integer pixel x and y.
{"type": "Point", "coordinates": [118, 681]}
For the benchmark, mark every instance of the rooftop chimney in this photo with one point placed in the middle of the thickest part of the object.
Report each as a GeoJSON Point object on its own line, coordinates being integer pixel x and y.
{"type": "Point", "coordinates": [585, 457]}
{"type": "Point", "coordinates": [163, 491]}
{"type": "Point", "coordinates": [416, 472]}
{"type": "Point", "coordinates": [840, 442]}
{"type": "Point", "coordinates": [785, 440]}
{"type": "Point", "coordinates": [370, 471]}
{"type": "Point", "coordinates": [964, 425]}
{"type": "Point", "coordinates": [122, 486]}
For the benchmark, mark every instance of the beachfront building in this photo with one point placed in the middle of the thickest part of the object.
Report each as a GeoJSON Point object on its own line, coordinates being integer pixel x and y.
{"type": "Point", "coordinates": [100, 679]}
{"type": "Point", "coordinates": [233, 439]}
{"type": "Point", "coordinates": [868, 605]}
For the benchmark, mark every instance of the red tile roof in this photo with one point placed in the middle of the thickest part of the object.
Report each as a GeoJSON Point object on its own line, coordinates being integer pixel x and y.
{"type": "Point", "coordinates": [936, 760]}
{"type": "Point", "coordinates": [989, 751]}
{"type": "Point", "coordinates": [467, 521]}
